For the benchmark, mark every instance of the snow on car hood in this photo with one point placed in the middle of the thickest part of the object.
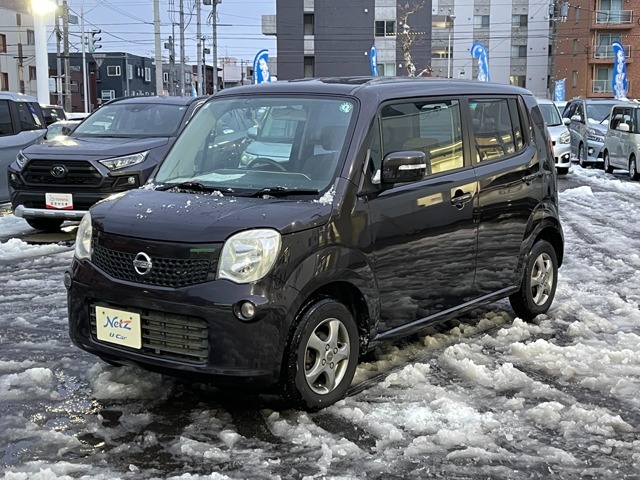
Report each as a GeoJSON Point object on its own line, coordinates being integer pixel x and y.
{"type": "Point", "coordinates": [201, 218]}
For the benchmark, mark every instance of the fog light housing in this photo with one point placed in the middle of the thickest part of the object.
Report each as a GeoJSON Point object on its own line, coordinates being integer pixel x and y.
{"type": "Point", "coordinates": [590, 151]}
{"type": "Point", "coordinates": [245, 310]}
{"type": "Point", "coordinates": [131, 180]}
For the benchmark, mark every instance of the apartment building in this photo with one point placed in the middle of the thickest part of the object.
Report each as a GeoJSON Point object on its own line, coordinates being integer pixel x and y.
{"type": "Point", "coordinates": [17, 48]}
{"type": "Point", "coordinates": [584, 53]}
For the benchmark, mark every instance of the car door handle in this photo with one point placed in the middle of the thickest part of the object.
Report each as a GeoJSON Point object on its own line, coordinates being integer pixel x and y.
{"type": "Point", "coordinates": [530, 178]}
{"type": "Point", "coordinates": [461, 198]}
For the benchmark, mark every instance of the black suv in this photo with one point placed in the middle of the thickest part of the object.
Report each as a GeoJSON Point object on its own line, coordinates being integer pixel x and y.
{"type": "Point", "coordinates": [115, 149]}
{"type": "Point", "coordinates": [393, 203]}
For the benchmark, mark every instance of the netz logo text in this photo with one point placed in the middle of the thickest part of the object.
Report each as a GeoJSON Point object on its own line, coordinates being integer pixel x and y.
{"type": "Point", "coordinates": [116, 322]}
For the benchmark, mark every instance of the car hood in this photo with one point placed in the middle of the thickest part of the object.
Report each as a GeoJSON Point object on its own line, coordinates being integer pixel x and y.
{"type": "Point", "coordinates": [202, 218]}
{"type": "Point", "coordinates": [556, 130]}
{"type": "Point", "coordinates": [93, 147]}
{"type": "Point", "coordinates": [599, 127]}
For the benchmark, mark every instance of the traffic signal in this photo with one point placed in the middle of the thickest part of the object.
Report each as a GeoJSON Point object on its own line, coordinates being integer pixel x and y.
{"type": "Point", "coordinates": [94, 39]}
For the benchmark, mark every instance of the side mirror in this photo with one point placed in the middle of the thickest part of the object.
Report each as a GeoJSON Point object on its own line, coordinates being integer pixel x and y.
{"type": "Point", "coordinates": [623, 127]}
{"type": "Point", "coordinates": [576, 118]}
{"type": "Point", "coordinates": [403, 167]}
{"type": "Point", "coordinates": [252, 132]}
{"type": "Point", "coordinates": [566, 121]}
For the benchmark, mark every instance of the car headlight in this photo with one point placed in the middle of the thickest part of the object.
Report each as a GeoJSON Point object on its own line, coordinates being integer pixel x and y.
{"type": "Point", "coordinates": [247, 158]}
{"type": "Point", "coordinates": [126, 161]}
{"type": "Point", "coordinates": [564, 138]}
{"type": "Point", "coordinates": [83, 238]}
{"type": "Point", "coordinates": [21, 160]}
{"type": "Point", "coordinates": [248, 256]}
{"type": "Point", "coordinates": [595, 135]}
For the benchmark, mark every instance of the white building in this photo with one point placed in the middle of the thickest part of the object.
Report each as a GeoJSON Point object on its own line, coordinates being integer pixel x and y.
{"type": "Point", "coordinates": [17, 48]}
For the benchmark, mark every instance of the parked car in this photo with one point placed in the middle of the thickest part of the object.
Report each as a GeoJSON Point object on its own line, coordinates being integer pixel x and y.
{"type": "Point", "coordinates": [560, 136]}
{"type": "Point", "coordinates": [428, 198]}
{"type": "Point", "coordinates": [21, 124]}
{"type": "Point", "coordinates": [113, 150]}
{"type": "Point", "coordinates": [622, 142]}
{"type": "Point", "coordinates": [61, 128]}
{"type": "Point", "coordinates": [588, 126]}
{"type": "Point", "coordinates": [53, 113]}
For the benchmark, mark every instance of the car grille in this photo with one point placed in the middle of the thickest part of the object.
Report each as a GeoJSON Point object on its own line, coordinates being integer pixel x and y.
{"type": "Point", "coordinates": [168, 335]}
{"type": "Point", "coordinates": [166, 272]}
{"type": "Point", "coordinates": [38, 172]}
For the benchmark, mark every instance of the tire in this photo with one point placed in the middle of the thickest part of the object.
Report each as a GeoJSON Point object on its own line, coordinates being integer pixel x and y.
{"type": "Point", "coordinates": [633, 169]}
{"type": "Point", "coordinates": [46, 224]}
{"type": "Point", "coordinates": [607, 163]}
{"type": "Point", "coordinates": [539, 282]}
{"type": "Point", "coordinates": [562, 171]}
{"type": "Point", "coordinates": [321, 357]}
{"type": "Point", "coordinates": [582, 156]}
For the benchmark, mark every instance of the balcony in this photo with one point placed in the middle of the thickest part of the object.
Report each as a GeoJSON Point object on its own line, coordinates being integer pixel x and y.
{"type": "Point", "coordinates": [614, 19]}
{"type": "Point", "coordinates": [603, 54]}
{"type": "Point", "coordinates": [605, 88]}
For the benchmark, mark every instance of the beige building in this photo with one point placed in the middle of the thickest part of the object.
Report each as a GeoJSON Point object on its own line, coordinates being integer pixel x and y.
{"type": "Point", "coordinates": [17, 48]}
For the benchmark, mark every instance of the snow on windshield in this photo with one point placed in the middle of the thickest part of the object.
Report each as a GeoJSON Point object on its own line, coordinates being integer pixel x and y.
{"type": "Point", "coordinates": [487, 396]}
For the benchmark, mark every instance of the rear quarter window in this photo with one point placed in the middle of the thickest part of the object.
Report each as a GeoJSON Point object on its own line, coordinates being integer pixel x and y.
{"type": "Point", "coordinates": [6, 127]}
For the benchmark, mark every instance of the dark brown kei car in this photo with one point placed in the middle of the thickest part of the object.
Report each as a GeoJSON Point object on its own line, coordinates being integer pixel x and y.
{"type": "Point", "coordinates": [295, 225]}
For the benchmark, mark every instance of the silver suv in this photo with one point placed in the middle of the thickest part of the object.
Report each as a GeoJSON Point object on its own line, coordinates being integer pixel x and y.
{"type": "Point", "coordinates": [560, 137]}
{"type": "Point", "coordinates": [622, 142]}
{"type": "Point", "coordinates": [588, 127]}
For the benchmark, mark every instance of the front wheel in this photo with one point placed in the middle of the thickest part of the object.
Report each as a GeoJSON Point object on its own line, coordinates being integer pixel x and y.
{"type": "Point", "coordinates": [633, 169]}
{"type": "Point", "coordinates": [46, 224]}
{"type": "Point", "coordinates": [582, 156]}
{"type": "Point", "coordinates": [539, 283]}
{"type": "Point", "coordinates": [607, 163]}
{"type": "Point", "coordinates": [321, 357]}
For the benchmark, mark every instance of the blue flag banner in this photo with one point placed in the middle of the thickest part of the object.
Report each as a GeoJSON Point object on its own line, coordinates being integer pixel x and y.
{"type": "Point", "coordinates": [619, 81]}
{"type": "Point", "coordinates": [479, 51]}
{"type": "Point", "coordinates": [558, 91]}
{"type": "Point", "coordinates": [373, 60]}
{"type": "Point", "coordinates": [261, 67]}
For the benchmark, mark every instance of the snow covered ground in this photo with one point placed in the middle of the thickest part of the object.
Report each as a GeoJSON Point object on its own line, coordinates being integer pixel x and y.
{"type": "Point", "coordinates": [490, 397]}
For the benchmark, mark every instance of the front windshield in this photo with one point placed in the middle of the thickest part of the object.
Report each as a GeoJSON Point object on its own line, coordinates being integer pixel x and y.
{"type": "Point", "coordinates": [597, 112]}
{"type": "Point", "coordinates": [248, 144]}
{"type": "Point", "coordinates": [550, 114]}
{"type": "Point", "coordinates": [133, 120]}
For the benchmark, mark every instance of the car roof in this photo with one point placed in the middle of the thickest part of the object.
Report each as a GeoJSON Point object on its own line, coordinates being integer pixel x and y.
{"type": "Point", "coordinates": [157, 100]}
{"type": "Point", "coordinates": [382, 88]}
{"type": "Point", "coordinates": [546, 101]}
{"type": "Point", "coordinates": [17, 97]}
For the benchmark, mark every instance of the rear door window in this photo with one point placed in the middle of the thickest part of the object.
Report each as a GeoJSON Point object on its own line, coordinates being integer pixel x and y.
{"type": "Point", "coordinates": [6, 127]}
{"type": "Point", "coordinates": [497, 128]}
{"type": "Point", "coordinates": [28, 117]}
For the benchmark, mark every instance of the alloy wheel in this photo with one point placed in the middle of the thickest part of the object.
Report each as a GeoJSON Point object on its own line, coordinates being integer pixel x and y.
{"type": "Point", "coordinates": [327, 356]}
{"type": "Point", "coordinates": [542, 278]}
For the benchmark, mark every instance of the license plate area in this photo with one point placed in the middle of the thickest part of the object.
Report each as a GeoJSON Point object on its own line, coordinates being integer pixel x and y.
{"type": "Point", "coordinates": [59, 201]}
{"type": "Point", "coordinates": [119, 327]}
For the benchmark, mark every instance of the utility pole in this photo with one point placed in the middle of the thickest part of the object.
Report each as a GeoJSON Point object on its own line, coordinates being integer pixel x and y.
{"type": "Point", "coordinates": [156, 35]}
{"type": "Point", "coordinates": [58, 59]}
{"type": "Point", "coordinates": [172, 61]}
{"type": "Point", "coordinates": [85, 76]}
{"type": "Point", "coordinates": [199, 54]}
{"type": "Point", "coordinates": [67, 67]}
{"type": "Point", "coordinates": [214, 46]}
{"type": "Point", "coordinates": [181, 47]}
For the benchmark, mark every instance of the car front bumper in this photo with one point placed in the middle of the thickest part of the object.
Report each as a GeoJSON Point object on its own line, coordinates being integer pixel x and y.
{"type": "Point", "coordinates": [562, 154]}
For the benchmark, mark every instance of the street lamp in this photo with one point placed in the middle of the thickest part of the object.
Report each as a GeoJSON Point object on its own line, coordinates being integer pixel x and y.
{"type": "Point", "coordinates": [451, 19]}
{"type": "Point", "coordinates": [40, 9]}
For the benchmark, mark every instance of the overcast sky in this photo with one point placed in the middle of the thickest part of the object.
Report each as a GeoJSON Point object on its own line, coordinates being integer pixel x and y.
{"type": "Point", "coordinates": [127, 25]}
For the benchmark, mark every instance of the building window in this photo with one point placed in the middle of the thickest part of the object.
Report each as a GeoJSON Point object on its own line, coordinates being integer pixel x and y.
{"type": "Point", "coordinates": [519, 51]}
{"type": "Point", "coordinates": [603, 80]}
{"type": "Point", "coordinates": [385, 28]}
{"type": "Point", "coordinates": [481, 21]}
{"type": "Point", "coordinates": [518, 80]}
{"type": "Point", "coordinates": [519, 20]}
{"type": "Point", "coordinates": [130, 71]}
{"type": "Point", "coordinates": [4, 82]}
{"type": "Point", "coordinates": [576, 14]}
{"type": "Point", "coordinates": [147, 74]}
{"type": "Point", "coordinates": [31, 37]}
{"type": "Point", "coordinates": [387, 69]}
{"type": "Point", "coordinates": [113, 70]}
{"type": "Point", "coordinates": [308, 23]}
{"type": "Point", "coordinates": [165, 77]}
{"type": "Point", "coordinates": [576, 46]}
{"type": "Point", "coordinates": [574, 79]}
{"type": "Point", "coordinates": [3, 43]}
{"type": "Point", "coordinates": [32, 73]}
{"type": "Point", "coordinates": [309, 67]}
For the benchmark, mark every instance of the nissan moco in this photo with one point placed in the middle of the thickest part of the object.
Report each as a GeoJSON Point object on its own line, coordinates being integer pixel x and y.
{"type": "Point", "coordinates": [392, 204]}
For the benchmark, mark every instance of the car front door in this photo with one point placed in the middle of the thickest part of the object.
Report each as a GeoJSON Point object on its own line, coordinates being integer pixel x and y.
{"type": "Point", "coordinates": [423, 233]}
{"type": "Point", "coordinates": [612, 139]}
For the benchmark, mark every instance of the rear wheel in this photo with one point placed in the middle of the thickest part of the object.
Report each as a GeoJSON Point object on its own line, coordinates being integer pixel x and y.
{"type": "Point", "coordinates": [633, 169]}
{"type": "Point", "coordinates": [607, 163]}
{"type": "Point", "coordinates": [322, 356]}
{"type": "Point", "coordinates": [539, 283]}
{"type": "Point", "coordinates": [46, 224]}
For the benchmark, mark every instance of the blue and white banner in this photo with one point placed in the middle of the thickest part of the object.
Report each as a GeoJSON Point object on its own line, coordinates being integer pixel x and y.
{"type": "Point", "coordinates": [373, 60]}
{"type": "Point", "coordinates": [261, 67]}
{"type": "Point", "coordinates": [619, 81]}
{"type": "Point", "coordinates": [559, 90]}
{"type": "Point", "coordinates": [479, 51]}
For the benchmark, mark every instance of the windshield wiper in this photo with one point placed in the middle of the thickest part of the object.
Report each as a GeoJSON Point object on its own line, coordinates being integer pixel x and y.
{"type": "Point", "coordinates": [201, 187]}
{"type": "Point", "coordinates": [283, 191]}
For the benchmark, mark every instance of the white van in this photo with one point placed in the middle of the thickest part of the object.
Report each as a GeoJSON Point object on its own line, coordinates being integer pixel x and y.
{"type": "Point", "coordinates": [21, 124]}
{"type": "Point", "coordinates": [622, 142]}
